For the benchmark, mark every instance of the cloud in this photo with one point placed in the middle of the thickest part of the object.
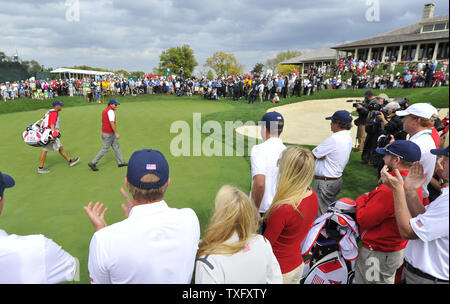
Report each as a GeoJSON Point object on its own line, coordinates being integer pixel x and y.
{"type": "Point", "coordinates": [131, 34]}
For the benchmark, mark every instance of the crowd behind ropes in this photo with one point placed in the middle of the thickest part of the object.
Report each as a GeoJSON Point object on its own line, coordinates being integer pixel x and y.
{"type": "Point", "coordinates": [398, 232]}
{"type": "Point", "coordinates": [347, 74]}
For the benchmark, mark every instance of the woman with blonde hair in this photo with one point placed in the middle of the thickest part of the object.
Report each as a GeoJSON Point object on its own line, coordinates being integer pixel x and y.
{"type": "Point", "coordinates": [292, 212]}
{"type": "Point", "coordinates": [231, 252]}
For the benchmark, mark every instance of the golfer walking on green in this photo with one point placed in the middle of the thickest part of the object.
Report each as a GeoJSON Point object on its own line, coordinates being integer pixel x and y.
{"type": "Point", "coordinates": [110, 136]}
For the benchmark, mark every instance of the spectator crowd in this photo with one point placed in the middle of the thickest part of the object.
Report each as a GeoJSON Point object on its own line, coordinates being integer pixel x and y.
{"type": "Point", "coordinates": [347, 74]}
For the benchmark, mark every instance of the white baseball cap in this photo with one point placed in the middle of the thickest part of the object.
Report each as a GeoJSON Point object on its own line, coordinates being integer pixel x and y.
{"type": "Point", "coordinates": [423, 110]}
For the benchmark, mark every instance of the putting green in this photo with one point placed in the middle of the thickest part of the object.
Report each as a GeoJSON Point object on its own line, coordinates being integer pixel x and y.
{"type": "Point", "coordinates": [52, 204]}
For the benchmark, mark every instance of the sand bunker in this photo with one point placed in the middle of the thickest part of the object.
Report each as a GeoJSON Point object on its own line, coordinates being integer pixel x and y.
{"type": "Point", "coordinates": [305, 122]}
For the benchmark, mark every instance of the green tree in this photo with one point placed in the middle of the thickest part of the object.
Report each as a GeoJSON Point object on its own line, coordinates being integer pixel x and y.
{"type": "Point", "coordinates": [210, 75]}
{"type": "Point", "coordinates": [2, 56]}
{"type": "Point", "coordinates": [280, 57]}
{"type": "Point", "coordinates": [125, 73]}
{"type": "Point", "coordinates": [32, 67]}
{"type": "Point", "coordinates": [257, 69]}
{"type": "Point", "coordinates": [175, 58]}
{"type": "Point", "coordinates": [286, 69]}
{"type": "Point", "coordinates": [87, 68]}
{"type": "Point", "coordinates": [136, 74]}
{"type": "Point", "coordinates": [224, 64]}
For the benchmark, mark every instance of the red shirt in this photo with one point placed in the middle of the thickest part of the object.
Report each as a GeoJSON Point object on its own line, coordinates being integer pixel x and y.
{"type": "Point", "coordinates": [106, 124]}
{"type": "Point", "coordinates": [375, 214]}
{"type": "Point", "coordinates": [52, 118]}
{"type": "Point", "coordinates": [286, 229]}
{"type": "Point", "coordinates": [435, 136]}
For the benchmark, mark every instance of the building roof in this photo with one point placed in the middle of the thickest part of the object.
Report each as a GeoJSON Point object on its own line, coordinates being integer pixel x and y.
{"type": "Point", "coordinates": [80, 72]}
{"type": "Point", "coordinates": [440, 18]}
{"type": "Point", "coordinates": [323, 54]}
{"type": "Point", "coordinates": [409, 33]}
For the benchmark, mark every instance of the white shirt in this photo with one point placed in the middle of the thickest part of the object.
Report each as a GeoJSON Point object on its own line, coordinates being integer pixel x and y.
{"type": "Point", "coordinates": [264, 160]}
{"type": "Point", "coordinates": [34, 259]}
{"type": "Point", "coordinates": [430, 252]}
{"type": "Point", "coordinates": [111, 116]}
{"type": "Point", "coordinates": [426, 143]}
{"type": "Point", "coordinates": [254, 264]}
{"type": "Point", "coordinates": [336, 149]}
{"type": "Point", "coordinates": [154, 245]}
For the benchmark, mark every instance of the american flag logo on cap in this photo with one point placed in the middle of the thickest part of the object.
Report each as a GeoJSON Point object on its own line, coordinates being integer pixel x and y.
{"type": "Point", "coordinates": [151, 167]}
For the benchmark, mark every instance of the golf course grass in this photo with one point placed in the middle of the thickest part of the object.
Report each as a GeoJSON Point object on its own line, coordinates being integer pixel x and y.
{"type": "Point", "coordinates": [52, 204]}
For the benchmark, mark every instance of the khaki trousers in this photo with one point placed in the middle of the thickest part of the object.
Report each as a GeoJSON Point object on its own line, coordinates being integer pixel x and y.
{"type": "Point", "coordinates": [294, 276]}
{"type": "Point", "coordinates": [377, 267]}
{"type": "Point", "coordinates": [361, 137]}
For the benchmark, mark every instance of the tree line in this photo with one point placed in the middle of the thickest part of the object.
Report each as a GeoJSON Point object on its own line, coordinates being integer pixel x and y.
{"type": "Point", "coordinates": [220, 64]}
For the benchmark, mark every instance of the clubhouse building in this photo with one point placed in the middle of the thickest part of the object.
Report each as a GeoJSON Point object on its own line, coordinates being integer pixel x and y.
{"type": "Point", "coordinates": [427, 39]}
{"type": "Point", "coordinates": [320, 57]}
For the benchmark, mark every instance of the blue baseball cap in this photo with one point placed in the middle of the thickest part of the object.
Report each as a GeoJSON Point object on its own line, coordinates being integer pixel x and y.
{"type": "Point", "coordinates": [440, 152]}
{"type": "Point", "coordinates": [6, 181]}
{"type": "Point", "coordinates": [113, 102]}
{"type": "Point", "coordinates": [406, 150]}
{"type": "Point", "coordinates": [276, 117]}
{"type": "Point", "coordinates": [343, 116]}
{"type": "Point", "coordinates": [145, 162]}
{"type": "Point", "coordinates": [58, 103]}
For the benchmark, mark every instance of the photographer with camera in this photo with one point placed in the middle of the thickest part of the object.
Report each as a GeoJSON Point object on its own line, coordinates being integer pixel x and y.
{"type": "Point", "coordinates": [360, 122]}
{"type": "Point", "coordinates": [392, 128]}
{"type": "Point", "coordinates": [373, 129]}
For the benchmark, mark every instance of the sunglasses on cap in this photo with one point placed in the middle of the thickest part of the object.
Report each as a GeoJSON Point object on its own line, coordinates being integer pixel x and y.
{"type": "Point", "coordinates": [392, 153]}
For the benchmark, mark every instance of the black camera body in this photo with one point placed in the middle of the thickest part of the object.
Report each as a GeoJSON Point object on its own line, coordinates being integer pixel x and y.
{"type": "Point", "coordinates": [376, 113]}
{"type": "Point", "coordinates": [374, 107]}
{"type": "Point", "coordinates": [403, 102]}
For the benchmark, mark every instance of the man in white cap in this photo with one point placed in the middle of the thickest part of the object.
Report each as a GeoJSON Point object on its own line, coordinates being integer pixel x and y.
{"type": "Point", "coordinates": [417, 122]}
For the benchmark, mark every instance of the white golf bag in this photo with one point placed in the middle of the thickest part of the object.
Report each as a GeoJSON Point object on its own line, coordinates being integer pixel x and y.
{"type": "Point", "coordinates": [332, 243]}
{"type": "Point", "coordinates": [35, 136]}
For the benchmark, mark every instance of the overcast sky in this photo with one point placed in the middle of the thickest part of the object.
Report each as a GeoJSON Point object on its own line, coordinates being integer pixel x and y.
{"type": "Point", "coordinates": [129, 34]}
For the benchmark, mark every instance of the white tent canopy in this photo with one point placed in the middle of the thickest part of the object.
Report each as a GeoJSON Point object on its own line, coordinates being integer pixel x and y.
{"type": "Point", "coordinates": [74, 73]}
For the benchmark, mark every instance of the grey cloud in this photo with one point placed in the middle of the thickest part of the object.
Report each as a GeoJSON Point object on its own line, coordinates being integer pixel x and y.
{"type": "Point", "coordinates": [131, 34]}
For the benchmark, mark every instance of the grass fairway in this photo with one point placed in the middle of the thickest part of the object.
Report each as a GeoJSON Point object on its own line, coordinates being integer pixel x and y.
{"type": "Point", "coordinates": [52, 204]}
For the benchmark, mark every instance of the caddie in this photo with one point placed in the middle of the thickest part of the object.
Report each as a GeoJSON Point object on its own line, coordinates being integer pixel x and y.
{"type": "Point", "coordinates": [51, 121]}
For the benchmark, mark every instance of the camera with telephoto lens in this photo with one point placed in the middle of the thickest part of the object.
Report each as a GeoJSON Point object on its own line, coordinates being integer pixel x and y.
{"type": "Point", "coordinates": [356, 103]}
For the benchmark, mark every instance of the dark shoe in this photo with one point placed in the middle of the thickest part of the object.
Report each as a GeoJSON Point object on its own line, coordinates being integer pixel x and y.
{"type": "Point", "coordinates": [123, 165]}
{"type": "Point", "coordinates": [74, 161]}
{"type": "Point", "coordinates": [93, 167]}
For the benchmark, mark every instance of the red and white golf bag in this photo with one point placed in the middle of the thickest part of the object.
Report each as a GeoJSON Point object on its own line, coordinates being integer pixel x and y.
{"type": "Point", "coordinates": [332, 243]}
{"type": "Point", "coordinates": [36, 136]}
